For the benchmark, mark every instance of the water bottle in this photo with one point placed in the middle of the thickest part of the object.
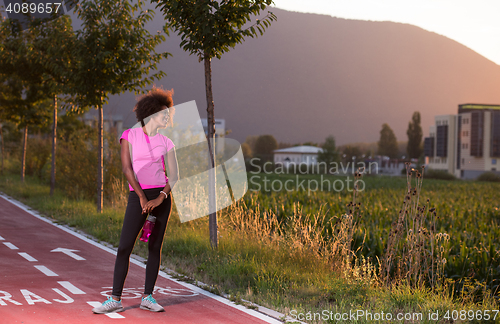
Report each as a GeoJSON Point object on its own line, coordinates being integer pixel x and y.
{"type": "Point", "coordinates": [148, 227]}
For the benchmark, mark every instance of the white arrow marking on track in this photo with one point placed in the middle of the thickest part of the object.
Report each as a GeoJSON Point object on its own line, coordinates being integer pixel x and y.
{"type": "Point", "coordinates": [112, 315]}
{"type": "Point", "coordinates": [46, 271]}
{"type": "Point", "coordinates": [1, 238]}
{"type": "Point", "coordinates": [70, 253]}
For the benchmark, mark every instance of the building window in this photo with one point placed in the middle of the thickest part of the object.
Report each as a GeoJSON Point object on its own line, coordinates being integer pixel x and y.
{"type": "Point", "coordinates": [476, 136]}
{"type": "Point", "coordinates": [429, 146]}
{"type": "Point", "coordinates": [493, 161]}
{"type": "Point", "coordinates": [442, 141]}
{"type": "Point", "coordinates": [495, 134]}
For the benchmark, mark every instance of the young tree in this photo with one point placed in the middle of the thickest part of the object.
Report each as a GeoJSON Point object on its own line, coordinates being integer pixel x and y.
{"type": "Point", "coordinates": [52, 46]}
{"type": "Point", "coordinates": [2, 89]}
{"type": "Point", "coordinates": [247, 151]}
{"type": "Point", "coordinates": [414, 132]}
{"type": "Point", "coordinates": [388, 144]}
{"type": "Point", "coordinates": [25, 88]}
{"type": "Point", "coordinates": [24, 106]}
{"type": "Point", "coordinates": [114, 53]}
{"type": "Point", "coordinates": [2, 150]}
{"type": "Point", "coordinates": [351, 153]}
{"type": "Point", "coordinates": [264, 147]}
{"type": "Point", "coordinates": [250, 140]}
{"type": "Point", "coordinates": [330, 153]}
{"type": "Point", "coordinates": [208, 29]}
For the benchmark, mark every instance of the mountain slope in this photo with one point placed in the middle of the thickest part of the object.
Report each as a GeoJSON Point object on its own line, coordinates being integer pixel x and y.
{"type": "Point", "coordinates": [312, 75]}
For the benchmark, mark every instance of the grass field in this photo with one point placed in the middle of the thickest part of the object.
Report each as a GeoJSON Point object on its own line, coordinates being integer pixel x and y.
{"type": "Point", "coordinates": [467, 211]}
{"type": "Point", "coordinates": [269, 243]}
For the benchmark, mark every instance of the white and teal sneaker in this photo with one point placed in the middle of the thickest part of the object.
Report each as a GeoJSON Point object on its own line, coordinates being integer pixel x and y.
{"type": "Point", "coordinates": [109, 306]}
{"type": "Point", "coordinates": [149, 303]}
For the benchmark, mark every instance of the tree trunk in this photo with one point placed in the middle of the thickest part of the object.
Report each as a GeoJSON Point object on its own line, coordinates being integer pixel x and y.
{"type": "Point", "coordinates": [100, 187]}
{"type": "Point", "coordinates": [212, 221]}
{"type": "Point", "coordinates": [1, 135]}
{"type": "Point", "coordinates": [54, 138]}
{"type": "Point", "coordinates": [23, 156]}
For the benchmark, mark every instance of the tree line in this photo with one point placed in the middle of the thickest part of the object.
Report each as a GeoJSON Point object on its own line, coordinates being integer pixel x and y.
{"type": "Point", "coordinates": [111, 54]}
{"type": "Point", "coordinates": [49, 67]}
{"type": "Point", "coordinates": [262, 146]}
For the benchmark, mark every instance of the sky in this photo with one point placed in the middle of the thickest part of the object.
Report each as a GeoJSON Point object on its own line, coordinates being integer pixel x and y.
{"type": "Point", "coordinates": [473, 23]}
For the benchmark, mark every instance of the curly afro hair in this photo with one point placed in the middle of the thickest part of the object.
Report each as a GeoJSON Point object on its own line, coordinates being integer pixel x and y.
{"type": "Point", "coordinates": [153, 102]}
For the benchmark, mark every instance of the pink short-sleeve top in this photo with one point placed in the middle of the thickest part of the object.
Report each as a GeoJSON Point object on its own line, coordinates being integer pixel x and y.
{"type": "Point", "coordinates": [147, 155]}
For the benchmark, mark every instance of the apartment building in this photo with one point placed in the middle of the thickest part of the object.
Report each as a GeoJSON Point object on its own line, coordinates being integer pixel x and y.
{"type": "Point", "coordinates": [466, 144]}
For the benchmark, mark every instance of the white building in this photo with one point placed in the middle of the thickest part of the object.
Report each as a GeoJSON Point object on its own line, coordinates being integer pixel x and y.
{"type": "Point", "coordinates": [297, 154]}
{"type": "Point", "coordinates": [387, 166]}
{"type": "Point", "coordinates": [466, 144]}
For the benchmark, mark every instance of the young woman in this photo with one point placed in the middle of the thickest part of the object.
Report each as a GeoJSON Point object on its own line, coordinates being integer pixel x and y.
{"type": "Point", "coordinates": [143, 154]}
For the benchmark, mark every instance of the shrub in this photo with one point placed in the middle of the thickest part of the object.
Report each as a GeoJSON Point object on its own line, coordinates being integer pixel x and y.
{"type": "Point", "coordinates": [438, 174]}
{"type": "Point", "coordinates": [38, 153]}
{"type": "Point", "coordinates": [77, 166]}
{"type": "Point", "coordinates": [489, 176]}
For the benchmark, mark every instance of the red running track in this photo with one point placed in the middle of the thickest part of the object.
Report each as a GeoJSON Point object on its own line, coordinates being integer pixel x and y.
{"type": "Point", "coordinates": [50, 274]}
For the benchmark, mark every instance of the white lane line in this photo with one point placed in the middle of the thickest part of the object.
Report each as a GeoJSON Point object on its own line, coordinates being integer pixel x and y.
{"type": "Point", "coordinates": [1, 238]}
{"type": "Point", "coordinates": [27, 257]}
{"type": "Point", "coordinates": [46, 271]}
{"type": "Point", "coordinates": [11, 246]}
{"type": "Point", "coordinates": [72, 288]}
{"type": "Point", "coordinates": [111, 315]}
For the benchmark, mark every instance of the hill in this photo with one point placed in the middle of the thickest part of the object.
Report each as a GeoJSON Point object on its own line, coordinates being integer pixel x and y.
{"type": "Point", "coordinates": [313, 75]}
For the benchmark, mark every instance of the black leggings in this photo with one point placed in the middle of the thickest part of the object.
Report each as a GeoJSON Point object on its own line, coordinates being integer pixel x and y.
{"type": "Point", "coordinates": [132, 225]}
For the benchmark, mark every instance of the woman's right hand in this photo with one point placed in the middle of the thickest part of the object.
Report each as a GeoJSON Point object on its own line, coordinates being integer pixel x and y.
{"type": "Point", "coordinates": [144, 201]}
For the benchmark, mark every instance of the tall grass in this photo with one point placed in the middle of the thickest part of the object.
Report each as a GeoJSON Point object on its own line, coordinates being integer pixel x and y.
{"type": "Point", "coordinates": [467, 214]}
{"type": "Point", "coordinates": [415, 251]}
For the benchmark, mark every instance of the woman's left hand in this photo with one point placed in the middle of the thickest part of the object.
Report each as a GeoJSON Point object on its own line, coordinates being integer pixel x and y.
{"type": "Point", "coordinates": [152, 204]}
